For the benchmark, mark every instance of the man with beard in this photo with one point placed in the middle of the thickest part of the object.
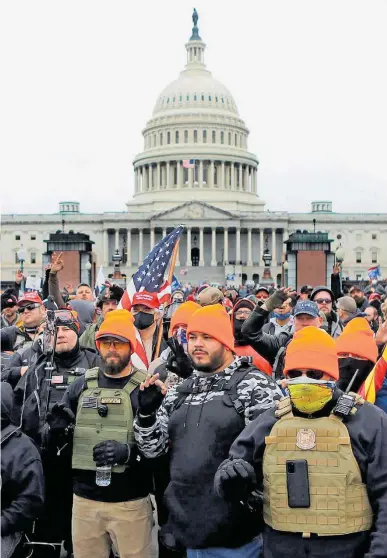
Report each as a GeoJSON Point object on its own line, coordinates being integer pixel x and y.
{"type": "Point", "coordinates": [372, 317]}
{"type": "Point", "coordinates": [357, 294]}
{"type": "Point", "coordinates": [197, 423]}
{"type": "Point", "coordinates": [357, 351]}
{"type": "Point", "coordinates": [115, 509]}
{"type": "Point", "coordinates": [9, 310]}
{"type": "Point", "coordinates": [320, 459]}
{"type": "Point", "coordinates": [324, 298]}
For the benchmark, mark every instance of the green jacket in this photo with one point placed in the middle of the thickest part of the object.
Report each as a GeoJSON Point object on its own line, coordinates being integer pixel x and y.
{"type": "Point", "coordinates": [87, 339]}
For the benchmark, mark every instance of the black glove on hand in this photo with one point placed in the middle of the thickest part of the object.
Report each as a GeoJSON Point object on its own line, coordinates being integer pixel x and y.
{"type": "Point", "coordinates": [276, 300]}
{"type": "Point", "coordinates": [235, 479]}
{"type": "Point", "coordinates": [178, 362]}
{"type": "Point", "coordinates": [149, 400]}
{"type": "Point", "coordinates": [111, 452]}
{"type": "Point", "coordinates": [60, 417]}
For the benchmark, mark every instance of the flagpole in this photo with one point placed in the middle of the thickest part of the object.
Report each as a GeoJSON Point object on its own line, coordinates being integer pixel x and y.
{"type": "Point", "coordinates": [170, 278]}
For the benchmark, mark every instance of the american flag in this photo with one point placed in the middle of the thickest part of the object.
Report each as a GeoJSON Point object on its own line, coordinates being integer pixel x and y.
{"type": "Point", "coordinates": [189, 164]}
{"type": "Point", "coordinates": [150, 275]}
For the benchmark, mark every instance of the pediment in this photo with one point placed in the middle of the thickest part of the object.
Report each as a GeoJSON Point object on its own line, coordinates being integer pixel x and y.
{"type": "Point", "coordinates": [194, 210]}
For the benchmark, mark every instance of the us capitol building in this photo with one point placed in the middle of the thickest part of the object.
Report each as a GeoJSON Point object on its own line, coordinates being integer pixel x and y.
{"type": "Point", "coordinates": [196, 169]}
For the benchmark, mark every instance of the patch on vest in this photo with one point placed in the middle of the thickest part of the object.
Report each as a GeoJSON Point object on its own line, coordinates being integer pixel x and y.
{"type": "Point", "coordinates": [111, 400]}
{"type": "Point", "coordinates": [306, 439]}
{"type": "Point", "coordinates": [57, 379]}
{"type": "Point", "coordinates": [90, 402]}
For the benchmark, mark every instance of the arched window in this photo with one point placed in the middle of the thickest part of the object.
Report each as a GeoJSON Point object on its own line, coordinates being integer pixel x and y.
{"type": "Point", "coordinates": [195, 136]}
{"type": "Point", "coordinates": [229, 138]}
{"type": "Point", "coordinates": [168, 138]}
{"type": "Point", "coordinates": [161, 138]}
{"type": "Point", "coordinates": [195, 98]}
{"type": "Point", "coordinates": [181, 98]}
{"type": "Point", "coordinates": [202, 97]}
{"type": "Point", "coordinates": [187, 97]}
{"type": "Point", "coordinates": [209, 97]}
{"type": "Point", "coordinates": [185, 136]}
{"type": "Point", "coordinates": [221, 137]}
{"type": "Point", "coordinates": [236, 140]}
{"type": "Point", "coordinates": [177, 136]}
{"type": "Point", "coordinates": [154, 140]}
{"type": "Point", "coordinates": [213, 136]}
{"type": "Point", "coordinates": [204, 136]}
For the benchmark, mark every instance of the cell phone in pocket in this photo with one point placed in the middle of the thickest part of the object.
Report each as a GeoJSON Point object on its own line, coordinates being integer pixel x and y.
{"type": "Point", "coordinates": [297, 480]}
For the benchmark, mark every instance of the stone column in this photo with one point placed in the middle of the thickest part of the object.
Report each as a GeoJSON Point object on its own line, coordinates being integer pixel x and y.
{"type": "Point", "coordinates": [274, 246]}
{"type": "Point", "coordinates": [213, 248]}
{"type": "Point", "coordinates": [255, 181]}
{"type": "Point", "coordinates": [117, 240]}
{"type": "Point", "coordinates": [240, 177]}
{"type": "Point", "coordinates": [150, 181]}
{"type": "Point", "coordinates": [158, 180]}
{"type": "Point", "coordinates": [238, 245]}
{"type": "Point", "coordinates": [105, 247]}
{"type": "Point", "coordinates": [225, 245]}
{"type": "Point", "coordinates": [152, 237]}
{"type": "Point", "coordinates": [211, 175]}
{"type": "Point", "coordinates": [129, 248]}
{"type": "Point", "coordinates": [223, 176]}
{"type": "Point", "coordinates": [261, 245]}
{"type": "Point", "coordinates": [144, 178]}
{"type": "Point", "coordinates": [249, 248]}
{"type": "Point", "coordinates": [168, 174]}
{"type": "Point", "coordinates": [200, 178]}
{"type": "Point", "coordinates": [189, 262]}
{"type": "Point", "coordinates": [201, 247]}
{"type": "Point", "coordinates": [140, 246]}
{"type": "Point", "coordinates": [190, 177]}
{"type": "Point", "coordinates": [246, 178]}
{"type": "Point", "coordinates": [232, 172]}
{"type": "Point", "coordinates": [135, 181]}
{"type": "Point", "coordinates": [164, 232]}
{"type": "Point", "coordinates": [179, 179]}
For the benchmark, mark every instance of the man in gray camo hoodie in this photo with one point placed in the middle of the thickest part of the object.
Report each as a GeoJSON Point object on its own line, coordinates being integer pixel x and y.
{"type": "Point", "coordinates": [196, 423]}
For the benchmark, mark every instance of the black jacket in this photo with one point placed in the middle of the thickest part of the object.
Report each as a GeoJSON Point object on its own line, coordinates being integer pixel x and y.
{"type": "Point", "coordinates": [29, 388]}
{"type": "Point", "coordinates": [22, 491]}
{"type": "Point", "coordinates": [368, 433]}
{"type": "Point", "coordinates": [11, 372]}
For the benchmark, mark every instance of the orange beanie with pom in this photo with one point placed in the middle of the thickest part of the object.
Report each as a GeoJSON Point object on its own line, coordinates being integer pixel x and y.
{"type": "Point", "coordinates": [214, 321]}
{"type": "Point", "coordinates": [312, 348]}
{"type": "Point", "coordinates": [358, 339]}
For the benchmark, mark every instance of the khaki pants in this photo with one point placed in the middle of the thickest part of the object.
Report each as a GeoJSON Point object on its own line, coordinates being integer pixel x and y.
{"type": "Point", "coordinates": [98, 525]}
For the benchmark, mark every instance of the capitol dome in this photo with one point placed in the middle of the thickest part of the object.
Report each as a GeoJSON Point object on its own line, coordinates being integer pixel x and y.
{"type": "Point", "coordinates": [195, 143]}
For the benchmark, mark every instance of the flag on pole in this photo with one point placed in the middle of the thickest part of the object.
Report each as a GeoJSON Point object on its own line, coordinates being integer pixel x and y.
{"type": "Point", "coordinates": [99, 282]}
{"type": "Point", "coordinates": [150, 275]}
{"type": "Point", "coordinates": [188, 163]}
{"type": "Point", "coordinates": [374, 272]}
{"type": "Point", "coordinates": [375, 379]}
{"type": "Point", "coordinates": [175, 283]}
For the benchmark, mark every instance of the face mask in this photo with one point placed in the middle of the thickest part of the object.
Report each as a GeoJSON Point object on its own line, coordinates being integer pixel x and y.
{"type": "Point", "coordinates": [348, 367]}
{"type": "Point", "coordinates": [282, 316]}
{"type": "Point", "coordinates": [238, 328]}
{"type": "Point", "coordinates": [310, 398]}
{"type": "Point", "coordinates": [142, 320]}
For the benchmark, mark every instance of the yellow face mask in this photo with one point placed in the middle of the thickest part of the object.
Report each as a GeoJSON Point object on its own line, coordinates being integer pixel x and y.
{"type": "Point", "coordinates": [309, 398]}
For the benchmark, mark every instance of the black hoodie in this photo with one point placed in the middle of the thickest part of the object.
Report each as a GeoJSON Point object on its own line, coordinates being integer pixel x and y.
{"type": "Point", "coordinates": [22, 491]}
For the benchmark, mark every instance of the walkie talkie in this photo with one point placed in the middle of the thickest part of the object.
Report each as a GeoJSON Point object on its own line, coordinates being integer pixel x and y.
{"type": "Point", "coordinates": [346, 402]}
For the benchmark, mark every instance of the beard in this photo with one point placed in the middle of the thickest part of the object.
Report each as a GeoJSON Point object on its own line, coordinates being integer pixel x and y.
{"type": "Point", "coordinates": [113, 368]}
{"type": "Point", "coordinates": [215, 362]}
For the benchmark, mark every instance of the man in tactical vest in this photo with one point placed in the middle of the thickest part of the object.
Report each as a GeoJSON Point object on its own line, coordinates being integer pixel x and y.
{"type": "Point", "coordinates": [197, 422]}
{"type": "Point", "coordinates": [111, 480]}
{"type": "Point", "coordinates": [320, 459]}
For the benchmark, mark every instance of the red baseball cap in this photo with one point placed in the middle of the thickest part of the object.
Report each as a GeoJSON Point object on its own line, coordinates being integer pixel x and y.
{"type": "Point", "coordinates": [29, 298]}
{"type": "Point", "coordinates": [374, 296]}
{"type": "Point", "coordinates": [146, 299]}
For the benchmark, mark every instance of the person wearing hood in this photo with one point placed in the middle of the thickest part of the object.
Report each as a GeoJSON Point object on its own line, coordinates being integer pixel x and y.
{"type": "Point", "coordinates": [357, 351]}
{"type": "Point", "coordinates": [318, 460]}
{"type": "Point", "coordinates": [324, 298]}
{"type": "Point", "coordinates": [282, 320]}
{"type": "Point", "coordinates": [147, 320]}
{"type": "Point", "coordinates": [107, 301]}
{"type": "Point", "coordinates": [241, 311]}
{"type": "Point", "coordinates": [22, 479]}
{"type": "Point", "coordinates": [196, 423]}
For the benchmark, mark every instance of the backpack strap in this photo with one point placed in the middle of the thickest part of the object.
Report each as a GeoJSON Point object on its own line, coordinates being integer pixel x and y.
{"type": "Point", "coordinates": [230, 396]}
{"type": "Point", "coordinates": [7, 432]}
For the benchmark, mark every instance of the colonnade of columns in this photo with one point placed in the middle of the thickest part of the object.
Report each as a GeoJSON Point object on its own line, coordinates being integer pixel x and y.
{"type": "Point", "coordinates": [252, 254]}
{"type": "Point", "coordinates": [205, 174]}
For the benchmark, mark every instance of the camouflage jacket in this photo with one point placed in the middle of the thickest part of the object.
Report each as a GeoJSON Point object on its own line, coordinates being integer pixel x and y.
{"type": "Point", "coordinates": [257, 393]}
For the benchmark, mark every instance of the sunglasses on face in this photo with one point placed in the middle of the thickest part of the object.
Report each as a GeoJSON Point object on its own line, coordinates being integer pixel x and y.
{"type": "Point", "coordinates": [30, 307]}
{"type": "Point", "coordinates": [106, 343]}
{"type": "Point", "coordinates": [323, 300]}
{"type": "Point", "coordinates": [312, 374]}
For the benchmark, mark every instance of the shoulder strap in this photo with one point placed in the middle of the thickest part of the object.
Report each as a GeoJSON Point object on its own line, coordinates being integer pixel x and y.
{"type": "Point", "coordinates": [91, 378]}
{"type": "Point", "coordinates": [284, 407]}
{"type": "Point", "coordinates": [7, 432]}
{"type": "Point", "coordinates": [231, 388]}
{"type": "Point", "coordinates": [135, 380]}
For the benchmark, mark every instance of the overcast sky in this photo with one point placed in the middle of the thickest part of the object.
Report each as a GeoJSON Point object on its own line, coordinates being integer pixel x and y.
{"type": "Point", "coordinates": [80, 79]}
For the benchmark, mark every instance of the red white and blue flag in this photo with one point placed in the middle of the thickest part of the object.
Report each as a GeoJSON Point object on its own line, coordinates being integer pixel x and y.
{"type": "Point", "coordinates": [150, 275]}
{"type": "Point", "coordinates": [374, 272]}
{"type": "Point", "coordinates": [189, 164]}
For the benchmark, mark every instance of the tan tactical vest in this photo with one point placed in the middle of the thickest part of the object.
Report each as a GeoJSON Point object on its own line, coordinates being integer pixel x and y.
{"type": "Point", "coordinates": [339, 502]}
{"type": "Point", "coordinates": [91, 428]}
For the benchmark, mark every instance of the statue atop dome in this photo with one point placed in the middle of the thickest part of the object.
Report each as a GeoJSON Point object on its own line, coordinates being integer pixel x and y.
{"type": "Point", "coordinates": [195, 30]}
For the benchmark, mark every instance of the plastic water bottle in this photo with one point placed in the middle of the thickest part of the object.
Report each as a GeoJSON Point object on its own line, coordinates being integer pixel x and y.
{"type": "Point", "coordinates": [103, 475]}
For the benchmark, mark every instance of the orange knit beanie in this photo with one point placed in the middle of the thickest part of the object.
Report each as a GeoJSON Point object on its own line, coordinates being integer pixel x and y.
{"type": "Point", "coordinates": [312, 348]}
{"type": "Point", "coordinates": [214, 321]}
{"type": "Point", "coordinates": [118, 323]}
{"type": "Point", "coordinates": [358, 339]}
{"type": "Point", "coordinates": [183, 314]}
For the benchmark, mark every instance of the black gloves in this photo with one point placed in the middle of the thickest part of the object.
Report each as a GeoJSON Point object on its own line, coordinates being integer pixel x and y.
{"type": "Point", "coordinates": [276, 300]}
{"type": "Point", "coordinates": [60, 418]}
{"type": "Point", "coordinates": [234, 480]}
{"type": "Point", "coordinates": [178, 362]}
{"type": "Point", "coordinates": [111, 452]}
{"type": "Point", "coordinates": [149, 400]}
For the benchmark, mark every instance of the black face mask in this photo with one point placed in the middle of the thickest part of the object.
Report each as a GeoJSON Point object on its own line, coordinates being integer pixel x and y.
{"type": "Point", "coordinates": [238, 329]}
{"type": "Point", "coordinates": [142, 320]}
{"type": "Point", "coordinates": [348, 367]}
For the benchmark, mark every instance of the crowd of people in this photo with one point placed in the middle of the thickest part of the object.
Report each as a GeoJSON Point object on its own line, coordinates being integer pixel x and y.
{"type": "Point", "coordinates": [233, 422]}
